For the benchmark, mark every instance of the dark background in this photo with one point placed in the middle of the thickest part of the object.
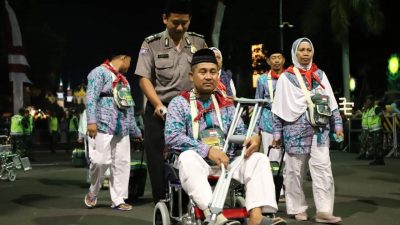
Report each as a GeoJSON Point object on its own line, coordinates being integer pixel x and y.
{"type": "Point", "coordinates": [66, 39]}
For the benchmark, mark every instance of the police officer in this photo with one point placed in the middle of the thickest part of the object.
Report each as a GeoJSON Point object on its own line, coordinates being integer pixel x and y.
{"type": "Point", "coordinates": [73, 124]}
{"type": "Point", "coordinates": [163, 65]}
{"type": "Point", "coordinates": [17, 133]}
{"type": "Point", "coordinates": [371, 118]}
{"type": "Point", "coordinates": [27, 123]}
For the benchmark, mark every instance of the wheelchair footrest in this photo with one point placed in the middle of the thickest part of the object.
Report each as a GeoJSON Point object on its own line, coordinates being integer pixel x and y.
{"type": "Point", "coordinates": [232, 213]}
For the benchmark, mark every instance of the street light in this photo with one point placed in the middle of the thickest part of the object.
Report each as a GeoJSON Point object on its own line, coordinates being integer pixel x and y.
{"type": "Point", "coordinates": [282, 24]}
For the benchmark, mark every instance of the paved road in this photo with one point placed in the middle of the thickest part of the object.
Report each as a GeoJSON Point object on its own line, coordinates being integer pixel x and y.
{"type": "Point", "coordinates": [52, 194]}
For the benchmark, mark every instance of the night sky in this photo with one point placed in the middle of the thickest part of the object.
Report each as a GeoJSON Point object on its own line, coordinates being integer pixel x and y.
{"type": "Point", "coordinates": [89, 28]}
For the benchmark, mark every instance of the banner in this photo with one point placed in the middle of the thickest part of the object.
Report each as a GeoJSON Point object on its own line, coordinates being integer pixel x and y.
{"type": "Point", "coordinates": [17, 63]}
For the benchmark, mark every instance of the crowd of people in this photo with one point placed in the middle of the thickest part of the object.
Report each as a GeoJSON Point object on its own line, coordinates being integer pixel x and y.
{"type": "Point", "coordinates": [30, 126]}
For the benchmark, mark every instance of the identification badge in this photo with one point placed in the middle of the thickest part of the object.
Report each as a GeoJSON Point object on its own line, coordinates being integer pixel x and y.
{"type": "Point", "coordinates": [212, 137]}
{"type": "Point", "coordinates": [163, 56]}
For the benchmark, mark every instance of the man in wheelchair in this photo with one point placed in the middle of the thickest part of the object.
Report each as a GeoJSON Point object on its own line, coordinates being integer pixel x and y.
{"type": "Point", "coordinates": [200, 140]}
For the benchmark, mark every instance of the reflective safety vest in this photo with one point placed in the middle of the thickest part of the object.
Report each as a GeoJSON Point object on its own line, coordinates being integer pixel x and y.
{"type": "Point", "coordinates": [53, 123]}
{"type": "Point", "coordinates": [370, 121]}
{"type": "Point", "coordinates": [73, 124]}
{"type": "Point", "coordinates": [29, 129]}
{"type": "Point", "coordinates": [16, 125]}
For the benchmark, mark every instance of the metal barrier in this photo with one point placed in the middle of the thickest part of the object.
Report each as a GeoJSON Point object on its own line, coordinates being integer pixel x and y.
{"type": "Point", "coordinates": [353, 126]}
{"type": "Point", "coordinates": [390, 124]}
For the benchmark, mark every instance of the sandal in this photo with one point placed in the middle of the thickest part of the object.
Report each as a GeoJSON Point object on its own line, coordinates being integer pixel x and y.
{"type": "Point", "coordinates": [122, 207]}
{"type": "Point", "coordinates": [230, 222]}
{"type": "Point", "coordinates": [301, 216]}
{"type": "Point", "coordinates": [90, 200]}
{"type": "Point", "coordinates": [272, 221]}
{"type": "Point", "coordinates": [327, 218]}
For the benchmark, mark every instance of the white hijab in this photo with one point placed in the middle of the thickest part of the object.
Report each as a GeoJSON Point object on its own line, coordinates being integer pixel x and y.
{"type": "Point", "coordinates": [290, 103]}
{"type": "Point", "coordinates": [295, 46]}
{"type": "Point", "coordinates": [220, 53]}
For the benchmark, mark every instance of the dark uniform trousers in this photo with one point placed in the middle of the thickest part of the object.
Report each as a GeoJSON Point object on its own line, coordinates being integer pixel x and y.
{"type": "Point", "coordinates": [154, 144]}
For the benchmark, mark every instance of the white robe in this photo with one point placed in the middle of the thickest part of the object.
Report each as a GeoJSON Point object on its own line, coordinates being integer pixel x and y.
{"type": "Point", "coordinates": [290, 103]}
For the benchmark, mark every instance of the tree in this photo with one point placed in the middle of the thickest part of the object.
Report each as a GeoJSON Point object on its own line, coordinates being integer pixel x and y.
{"type": "Point", "coordinates": [342, 14]}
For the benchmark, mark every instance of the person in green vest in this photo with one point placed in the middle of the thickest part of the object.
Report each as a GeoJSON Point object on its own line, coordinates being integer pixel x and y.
{"type": "Point", "coordinates": [27, 124]}
{"type": "Point", "coordinates": [73, 124]}
{"type": "Point", "coordinates": [372, 122]}
{"type": "Point", "coordinates": [53, 128]}
{"type": "Point", "coordinates": [17, 133]}
{"type": "Point", "coordinates": [365, 150]}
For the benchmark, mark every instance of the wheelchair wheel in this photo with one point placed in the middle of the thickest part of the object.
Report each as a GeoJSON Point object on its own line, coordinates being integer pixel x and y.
{"type": "Point", "coordinates": [241, 203]}
{"type": "Point", "coordinates": [3, 173]}
{"type": "Point", "coordinates": [12, 175]}
{"type": "Point", "coordinates": [161, 214]}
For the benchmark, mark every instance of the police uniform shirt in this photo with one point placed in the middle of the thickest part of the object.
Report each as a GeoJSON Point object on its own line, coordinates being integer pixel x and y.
{"type": "Point", "coordinates": [166, 67]}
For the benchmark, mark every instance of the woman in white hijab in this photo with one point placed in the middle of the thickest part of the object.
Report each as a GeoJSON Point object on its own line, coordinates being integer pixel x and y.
{"type": "Point", "coordinates": [304, 142]}
{"type": "Point", "coordinates": [225, 82]}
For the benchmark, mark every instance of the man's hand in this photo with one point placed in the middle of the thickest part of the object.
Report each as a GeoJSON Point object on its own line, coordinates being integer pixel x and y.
{"type": "Point", "coordinates": [92, 130]}
{"type": "Point", "coordinates": [252, 145]}
{"type": "Point", "coordinates": [161, 111]}
{"type": "Point", "coordinates": [218, 156]}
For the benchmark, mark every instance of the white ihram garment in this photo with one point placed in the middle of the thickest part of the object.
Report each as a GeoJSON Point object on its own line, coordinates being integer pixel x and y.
{"type": "Point", "coordinates": [322, 180]}
{"type": "Point", "coordinates": [110, 151]}
{"type": "Point", "coordinates": [254, 172]}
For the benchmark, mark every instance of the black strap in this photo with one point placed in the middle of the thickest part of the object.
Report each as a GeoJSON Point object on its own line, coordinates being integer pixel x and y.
{"type": "Point", "coordinates": [103, 95]}
{"type": "Point", "coordinates": [281, 161]}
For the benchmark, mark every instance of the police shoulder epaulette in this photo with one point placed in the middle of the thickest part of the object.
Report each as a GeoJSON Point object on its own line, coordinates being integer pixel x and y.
{"type": "Point", "coordinates": [153, 37]}
{"type": "Point", "coordinates": [195, 34]}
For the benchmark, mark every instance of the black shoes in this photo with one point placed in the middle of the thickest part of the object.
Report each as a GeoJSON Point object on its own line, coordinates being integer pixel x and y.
{"type": "Point", "coordinates": [377, 162]}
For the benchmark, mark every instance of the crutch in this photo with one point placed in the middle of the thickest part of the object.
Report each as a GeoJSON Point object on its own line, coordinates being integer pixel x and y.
{"type": "Point", "coordinates": [221, 189]}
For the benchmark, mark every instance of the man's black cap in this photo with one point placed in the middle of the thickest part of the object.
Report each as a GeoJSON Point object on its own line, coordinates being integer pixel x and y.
{"type": "Point", "coordinates": [273, 50]}
{"type": "Point", "coordinates": [204, 55]}
{"type": "Point", "coordinates": [178, 6]}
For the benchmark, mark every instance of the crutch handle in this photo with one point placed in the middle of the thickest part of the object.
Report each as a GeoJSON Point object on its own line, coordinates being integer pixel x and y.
{"type": "Point", "coordinates": [237, 139]}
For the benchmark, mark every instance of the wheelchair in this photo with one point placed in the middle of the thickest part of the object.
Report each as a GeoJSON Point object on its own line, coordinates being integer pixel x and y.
{"type": "Point", "coordinates": [179, 208]}
{"type": "Point", "coordinates": [10, 162]}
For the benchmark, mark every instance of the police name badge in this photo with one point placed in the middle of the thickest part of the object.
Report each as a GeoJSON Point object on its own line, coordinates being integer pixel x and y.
{"type": "Point", "coordinates": [193, 49]}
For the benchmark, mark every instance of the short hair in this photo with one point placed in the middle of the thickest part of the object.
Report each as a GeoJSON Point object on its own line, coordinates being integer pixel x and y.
{"type": "Point", "coordinates": [370, 97]}
{"type": "Point", "coordinates": [116, 51]}
{"type": "Point", "coordinates": [21, 110]}
{"type": "Point", "coordinates": [178, 6]}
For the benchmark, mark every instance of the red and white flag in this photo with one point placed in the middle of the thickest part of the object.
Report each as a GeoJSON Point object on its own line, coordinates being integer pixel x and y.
{"type": "Point", "coordinates": [17, 64]}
